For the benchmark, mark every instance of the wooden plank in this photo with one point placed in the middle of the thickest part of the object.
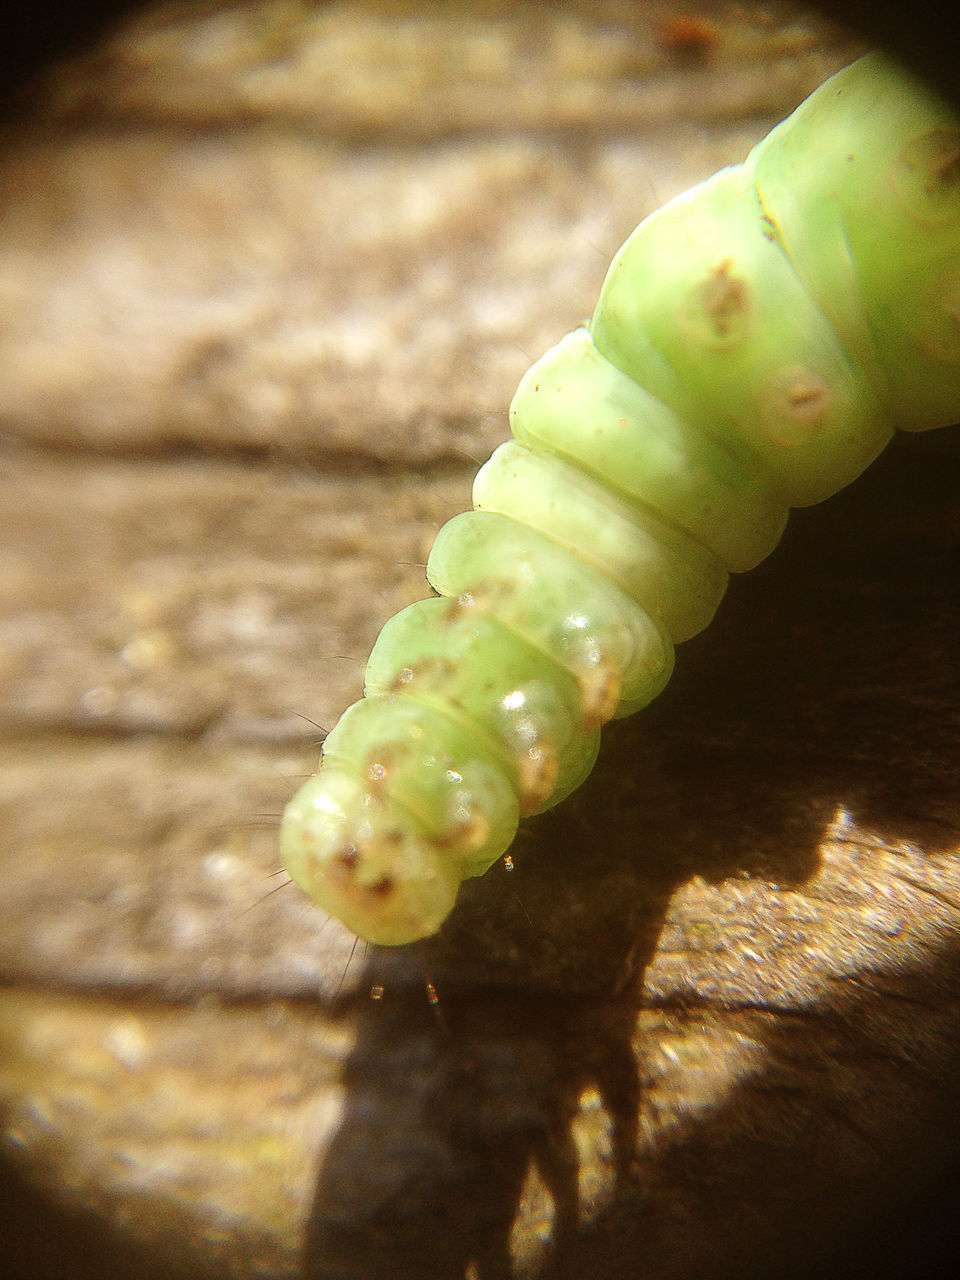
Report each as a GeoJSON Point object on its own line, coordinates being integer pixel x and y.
{"type": "Point", "coordinates": [250, 334]}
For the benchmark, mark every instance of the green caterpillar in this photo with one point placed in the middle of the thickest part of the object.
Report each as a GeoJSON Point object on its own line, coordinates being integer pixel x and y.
{"type": "Point", "coordinates": [755, 345]}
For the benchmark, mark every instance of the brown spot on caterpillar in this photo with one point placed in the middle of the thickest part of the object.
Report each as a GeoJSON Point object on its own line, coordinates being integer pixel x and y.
{"type": "Point", "coordinates": [377, 771]}
{"type": "Point", "coordinates": [600, 689]}
{"type": "Point", "coordinates": [794, 407]}
{"type": "Point", "coordinates": [537, 771]}
{"type": "Point", "coordinates": [770, 229]}
{"type": "Point", "coordinates": [717, 311]}
{"type": "Point", "coordinates": [382, 888]}
{"type": "Point", "coordinates": [926, 175]}
{"type": "Point", "coordinates": [941, 336]}
{"type": "Point", "coordinates": [455, 610]}
{"type": "Point", "coordinates": [725, 299]}
{"type": "Point", "coordinates": [483, 597]}
{"type": "Point", "coordinates": [348, 857]}
{"type": "Point", "coordinates": [466, 836]}
{"type": "Point", "coordinates": [428, 671]}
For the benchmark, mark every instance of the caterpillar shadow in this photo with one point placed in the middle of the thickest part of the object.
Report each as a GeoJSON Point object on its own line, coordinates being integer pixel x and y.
{"type": "Point", "coordinates": [828, 682]}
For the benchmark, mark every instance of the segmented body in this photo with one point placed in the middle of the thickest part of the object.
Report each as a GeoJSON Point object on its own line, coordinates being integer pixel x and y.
{"type": "Point", "coordinates": [755, 345]}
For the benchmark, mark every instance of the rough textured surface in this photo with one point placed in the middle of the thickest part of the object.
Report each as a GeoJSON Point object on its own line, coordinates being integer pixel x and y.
{"type": "Point", "coordinates": [269, 274]}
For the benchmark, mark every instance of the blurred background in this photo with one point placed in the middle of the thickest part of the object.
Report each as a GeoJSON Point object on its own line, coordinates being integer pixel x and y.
{"type": "Point", "coordinates": [269, 274]}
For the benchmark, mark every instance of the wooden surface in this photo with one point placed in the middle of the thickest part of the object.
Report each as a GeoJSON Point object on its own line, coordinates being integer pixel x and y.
{"type": "Point", "coordinates": [269, 275]}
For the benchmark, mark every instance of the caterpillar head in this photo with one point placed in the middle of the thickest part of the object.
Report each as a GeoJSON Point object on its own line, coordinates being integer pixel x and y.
{"type": "Point", "coordinates": [365, 864]}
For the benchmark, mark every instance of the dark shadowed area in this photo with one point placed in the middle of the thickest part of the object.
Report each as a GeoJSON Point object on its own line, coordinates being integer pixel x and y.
{"type": "Point", "coordinates": [269, 276]}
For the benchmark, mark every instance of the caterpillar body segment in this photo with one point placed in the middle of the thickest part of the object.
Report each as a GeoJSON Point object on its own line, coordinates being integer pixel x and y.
{"type": "Point", "coordinates": [725, 502]}
{"type": "Point", "coordinates": [755, 344]}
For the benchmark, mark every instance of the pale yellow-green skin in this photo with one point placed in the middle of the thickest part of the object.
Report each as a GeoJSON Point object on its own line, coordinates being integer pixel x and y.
{"type": "Point", "coordinates": [755, 345]}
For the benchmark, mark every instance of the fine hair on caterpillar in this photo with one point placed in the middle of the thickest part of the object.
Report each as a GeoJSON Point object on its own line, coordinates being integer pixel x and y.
{"type": "Point", "coordinates": [756, 343]}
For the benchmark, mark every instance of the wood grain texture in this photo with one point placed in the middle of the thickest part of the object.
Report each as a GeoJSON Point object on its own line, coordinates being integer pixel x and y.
{"type": "Point", "coordinates": [270, 274]}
